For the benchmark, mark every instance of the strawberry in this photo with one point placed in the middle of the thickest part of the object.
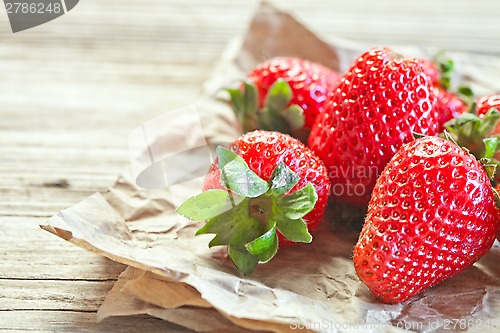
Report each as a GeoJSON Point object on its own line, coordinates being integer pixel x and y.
{"type": "Point", "coordinates": [283, 94]}
{"type": "Point", "coordinates": [432, 214]}
{"type": "Point", "coordinates": [381, 100]}
{"type": "Point", "coordinates": [266, 188]}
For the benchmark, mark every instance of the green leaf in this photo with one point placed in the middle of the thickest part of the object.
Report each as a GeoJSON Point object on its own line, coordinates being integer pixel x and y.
{"type": "Point", "coordinates": [283, 179]}
{"type": "Point", "coordinates": [279, 95]}
{"type": "Point", "coordinates": [250, 97]}
{"type": "Point", "coordinates": [236, 99]}
{"type": "Point", "coordinates": [466, 91]}
{"type": "Point", "coordinates": [242, 259]}
{"type": "Point", "coordinates": [233, 226]}
{"type": "Point", "coordinates": [461, 120]}
{"type": "Point", "coordinates": [208, 204]}
{"type": "Point", "coordinates": [298, 203]}
{"type": "Point", "coordinates": [271, 120]}
{"type": "Point", "coordinates": [294, 116]}
{"type": "Point", "coordinates": [262, 244]}
{"type": "Point", "coordinates": [241, 180]}
{"type": "Point", "coordinates": [225, 156]}
{"type": "Point", "coordinates": [237, 176]}
{"type": "Point", "coordinates": [269, 254]}
{"type": "Point", "coordinates": [293, 230]}
{"type": "Point", "coordinates": [245, 103]}
{"type": "Point", "coordinates": [490, 145]}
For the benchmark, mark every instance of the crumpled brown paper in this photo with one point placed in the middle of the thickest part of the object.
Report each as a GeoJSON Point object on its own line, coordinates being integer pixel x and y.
{"type": "Point", "coordinates": [174, 276]}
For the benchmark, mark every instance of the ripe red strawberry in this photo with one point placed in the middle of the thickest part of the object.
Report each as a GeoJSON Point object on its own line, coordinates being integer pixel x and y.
{"type": "Point", "coordinates": [431, 215]}
{"type": "Point", "coordinates": [264, 186]}
{"type": "Point", "coordinates": [283, 94]}
{"type": "Point", "coordinates": [448, 104]}
{"type": "Point", "coordinates": [381, 100]}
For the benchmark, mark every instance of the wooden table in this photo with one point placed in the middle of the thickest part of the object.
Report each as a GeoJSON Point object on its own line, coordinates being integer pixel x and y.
{"type": "Point", "coordinates": [72, 90]}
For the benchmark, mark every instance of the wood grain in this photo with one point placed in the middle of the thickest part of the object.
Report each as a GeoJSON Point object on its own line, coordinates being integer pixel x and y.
{"type": "Point", "coordinates": [74, 88]}
{"type": "Point", "coordinates": [78, 321]}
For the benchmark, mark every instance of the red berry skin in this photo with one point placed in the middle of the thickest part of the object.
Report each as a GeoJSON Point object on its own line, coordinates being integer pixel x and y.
{"type": "Point", "coordinates": [263, 151]}
{"type": "Point", "coordinates": [484, 104]}
{"type": "Point", "coordinates": [448, 106]}
{"type": "Point", "coordinates": [431, 215]}
{"type": "Point", "coordinates": [379, 102]}
{"type": "Point", "coordinates": [311, 83]}
{"type": "Point", "coordinates": [497, 188]}
{"type": "Point", "coordinates": [431, 70]}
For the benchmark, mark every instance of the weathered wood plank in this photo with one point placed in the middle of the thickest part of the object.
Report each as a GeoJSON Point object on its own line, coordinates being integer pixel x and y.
{"type": "Point", "coordinates": [53, 265]}
{"type": "Point", "coordinates": [27, 252]}
{"type": "Point", "coordinates": [52, 295]}
{"type": "Point", "coordinates": [463, 26]}
{"type": "Point", "coordinates": [74, 321]}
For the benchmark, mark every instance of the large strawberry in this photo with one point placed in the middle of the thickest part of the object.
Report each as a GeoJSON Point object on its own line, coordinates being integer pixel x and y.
{"type": "Point", "coordinates": [381, 100]}
{"type": "Point", "coordinates": [266, 188]}
{"type": "Point", "coordinates": [431, 215]}
{"type": "Point", "coordinates": [283, 94]}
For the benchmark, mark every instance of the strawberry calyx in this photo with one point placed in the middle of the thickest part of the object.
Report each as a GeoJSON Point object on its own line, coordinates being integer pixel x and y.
{"type": "Point", "coordinates": [248, 213]}
{"type": "Point", "coordinates": [472, 132]}
{"type": "Point", "coordinates": [276, 113]}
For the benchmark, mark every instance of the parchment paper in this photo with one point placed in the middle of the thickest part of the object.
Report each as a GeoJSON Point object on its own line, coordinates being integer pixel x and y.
{"type": "Point", "coordinates": [174, 276]}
